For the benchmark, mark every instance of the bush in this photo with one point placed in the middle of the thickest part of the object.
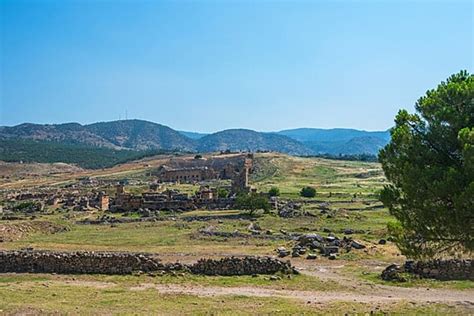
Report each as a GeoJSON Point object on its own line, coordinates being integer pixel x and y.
{"type": "Point", "coordinates": [308, 192]}
{"type": "Point", "coordinates": [222, 193]}
{"type": "Point", "coordinates": [274, 191]}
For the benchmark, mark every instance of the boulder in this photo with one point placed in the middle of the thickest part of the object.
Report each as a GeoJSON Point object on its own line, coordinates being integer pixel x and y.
{"type": "Point", "coordinates": [306, 239]}
{"type": "Point", "coordinates": [393, 273]}
{"type": "Point", "coordinates": [329, 250]}
{"type": "Point", "coordinates": [357, 245]}
{"type": "Point", "coordinates": [282, 252]}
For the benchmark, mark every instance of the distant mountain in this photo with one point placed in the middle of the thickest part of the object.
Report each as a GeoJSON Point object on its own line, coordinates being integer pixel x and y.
{"type": "Point", "coordinates": [244, 139]}
{"type": "Point", "coordinates": [339, 141]}
{"type": "Point", "coordinates": [126, 134]}
{"type": "Point", "coordinates": [361, 145]}
{"type": "Point", "coordinates": [141, 135]}
{"type": "Point", "coordinates": [193, 135]}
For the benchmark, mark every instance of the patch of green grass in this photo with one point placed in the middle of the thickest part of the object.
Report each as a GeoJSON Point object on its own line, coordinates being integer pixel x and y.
{"type": "Point", "coordinates": [62, 294]}
{"type": "Point", "coordinates": [288, 282]}
{"type": "Point", "coordinates": [345, 178]}
{"type": "Point", "coordinates": [54, 298]}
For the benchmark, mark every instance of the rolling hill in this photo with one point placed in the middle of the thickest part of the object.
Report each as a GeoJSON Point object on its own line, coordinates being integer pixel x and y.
{"type": "Point", "coordinates": [141, 135]}
{"type": "Point", "coordinates": [125, 134]}
{"type": "Point", "coordinates": [70, 139]}
{"type": "Point", "coordinates": [248, 140]}
{"type": "Point", "coordinates": [339, 141]}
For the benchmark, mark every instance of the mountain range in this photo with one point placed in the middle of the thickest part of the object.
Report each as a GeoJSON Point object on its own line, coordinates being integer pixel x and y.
{"type": "Point", "coordinates": [140, 135]}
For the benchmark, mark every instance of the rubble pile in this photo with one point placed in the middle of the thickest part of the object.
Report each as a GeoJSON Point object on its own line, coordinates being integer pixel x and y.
{"type": "Point", "coordinates": [327, 246]}
{"type": "Point", "coordinates": [290, 209]}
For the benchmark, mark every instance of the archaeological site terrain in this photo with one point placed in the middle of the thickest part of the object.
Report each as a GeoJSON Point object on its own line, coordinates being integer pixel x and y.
{"type": "Point", "coordinates": [219, 233]}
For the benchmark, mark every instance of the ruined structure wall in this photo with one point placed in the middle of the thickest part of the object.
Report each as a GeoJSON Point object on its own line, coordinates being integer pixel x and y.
{"type": "Point", "coordinates": [127, 263]}
{"type": "Point", "coordinates": [443, 269]}
{"type": "Point", "coordinates": [186, 175]}
{"type": "Point", "coordinates": [453, 269]}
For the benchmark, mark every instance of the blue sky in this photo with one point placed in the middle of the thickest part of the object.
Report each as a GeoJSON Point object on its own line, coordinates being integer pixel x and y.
{"type": "Point", "coordinates": [212, 65]}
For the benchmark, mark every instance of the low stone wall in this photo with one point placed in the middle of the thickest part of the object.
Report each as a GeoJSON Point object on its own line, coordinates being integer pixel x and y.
{"type": "Point", "coordinates": [84, 262]}
{"type": "Point", "coordinates": [442, 269]}
{"type": "Point", "coordinates": [77, 262]}
{"type": "Point", "coordinates": [241, 266]}
{"type": "Point", "coordinates": [454, 269]}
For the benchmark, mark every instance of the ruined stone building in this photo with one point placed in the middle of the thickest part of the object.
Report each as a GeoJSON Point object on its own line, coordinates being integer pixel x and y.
{"type": "Point", "coordinates": [169, 200]}
{"type": "Point", "coordinates": [185, 175]}
{"type": "Point", "coordinates": [235, 167]}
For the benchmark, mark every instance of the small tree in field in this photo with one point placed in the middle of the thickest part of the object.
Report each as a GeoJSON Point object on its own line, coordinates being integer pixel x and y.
{"type": "Point", "coordinates": [252, 202]}
{"type": "Point", "coordinates": [274, 191]}
{"type": "Point", "coordinates": [308, 192]}
{"type": "Point", "coordinates": [430, 164]}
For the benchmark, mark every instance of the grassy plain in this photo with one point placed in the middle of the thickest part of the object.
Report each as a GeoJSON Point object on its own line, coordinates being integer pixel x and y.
{"type": "Point", "coordinates": [346, 190]}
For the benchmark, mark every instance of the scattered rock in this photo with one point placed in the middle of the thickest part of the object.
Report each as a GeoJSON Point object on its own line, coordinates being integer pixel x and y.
{"type": "Point", "coordinates": [282, 252]}
{"type": "Point", "coordinates": [357, 245]}
{"type": "Point", "coordinates": [393, 273]}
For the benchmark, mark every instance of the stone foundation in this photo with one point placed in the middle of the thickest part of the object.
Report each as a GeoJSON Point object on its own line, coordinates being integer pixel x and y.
{"type": "Point", "coordinates": [84, 262]}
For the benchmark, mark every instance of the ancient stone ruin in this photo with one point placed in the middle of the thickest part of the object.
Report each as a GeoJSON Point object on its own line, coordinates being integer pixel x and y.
{"type": "Point", "coordinates": [91, 262]}
{"type": "Point", "coordinates": [236, 168]}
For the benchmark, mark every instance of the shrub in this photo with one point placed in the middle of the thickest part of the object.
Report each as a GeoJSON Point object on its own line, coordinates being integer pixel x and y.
{"type": "Point", "coordinates": [274, 191]}
{"type": "Point", "coordinates": [308, 192]}
{"type": "Point", "coordinates": [222, 193]}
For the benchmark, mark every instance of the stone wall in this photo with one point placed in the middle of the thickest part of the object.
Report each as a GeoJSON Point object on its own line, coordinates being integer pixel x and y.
{"type": "Point", "coordinates": [85, 262]}
{"type": "Point", "coordinates": [77, 262]}
{"type": "Point", "coordinates": [442, 269]}
{"type": "Point", "coordinates": [241, 266]}
{"type": "Point", "coordinates": [454, 269]}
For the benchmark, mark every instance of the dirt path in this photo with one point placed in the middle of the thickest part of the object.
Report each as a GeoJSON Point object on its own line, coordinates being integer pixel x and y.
{"type": "Point", "coordinates": [358, 290]}
{"type": "Point", "coordinates": [394, 294]}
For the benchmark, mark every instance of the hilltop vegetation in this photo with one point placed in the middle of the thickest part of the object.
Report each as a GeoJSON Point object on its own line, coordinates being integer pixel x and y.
{"type": "Point", "coordinates": [85, 156]}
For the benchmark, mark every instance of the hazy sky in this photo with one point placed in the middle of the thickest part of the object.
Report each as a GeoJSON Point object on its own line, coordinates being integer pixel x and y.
{"type": "Point", "coordinates": [212, 65]}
